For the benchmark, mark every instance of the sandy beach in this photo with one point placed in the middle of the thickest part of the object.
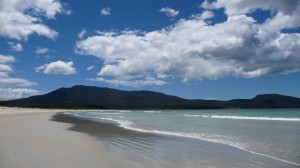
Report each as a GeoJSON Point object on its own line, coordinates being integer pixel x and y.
{"type": "Point", "coordinates": [29, 139]}
{"type": "Point", "coordinates": [38, 138]}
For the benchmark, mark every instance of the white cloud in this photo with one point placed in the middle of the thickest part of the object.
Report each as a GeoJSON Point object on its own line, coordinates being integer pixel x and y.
{"type": "Point", "coordinates": [5, 69]}
{"type": "Point", "coordinates": [4, 59]}
{"type": "Point", "coordinates": [105, 11]}
{"type": "Point", "coordinates": [57, 68]}
{"type": "Point", "coordinates": [90, 68]}
{"type": "Point", "coordinates": [10, 82]}
{"type": "Point", "coordinates": [193, 49]}
{"type": "Point", "coordinates": [207, 5]}
{"type": "Point", "coordinates": [17, 93]}
{"type": "Point", "coordinates": [133, 83]}
{"type": "Point", "coordinates": [41, 50]}
{"type": "Point", "coordinates": [15, 47]}
{"type": "Point", "coordinates": [285, 14]}
{"type": "Point", "coordinates": [82, 33]}
{"type": "Point", "coordinates": [40, 68]}
{"type": "Point", "coordinates": [7, 92]}
{"type": "Point", "coordinates": [244, 6]}
{"type": "Point", "coordinates": [169, 11]}
{"type": "Point", "coordinates": [20, 18]}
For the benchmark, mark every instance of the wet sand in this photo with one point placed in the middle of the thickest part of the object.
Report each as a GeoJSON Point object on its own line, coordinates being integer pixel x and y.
{"type": "Point", "coordinates": [44, 138]}
{"type": "Point", "coordinates": [138, 149]}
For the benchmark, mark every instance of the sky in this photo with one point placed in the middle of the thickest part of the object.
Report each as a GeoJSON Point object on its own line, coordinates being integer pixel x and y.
{"type": "Point", "coordinates": [194, 49]}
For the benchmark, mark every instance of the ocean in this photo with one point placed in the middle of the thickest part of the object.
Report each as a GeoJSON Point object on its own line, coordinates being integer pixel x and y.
{"type": "Point", "coordinates": [272, 133]}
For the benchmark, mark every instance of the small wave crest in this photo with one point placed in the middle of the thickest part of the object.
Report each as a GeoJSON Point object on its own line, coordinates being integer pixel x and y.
{"type": "Point", "coordinates": [189, 115]}
{"type": "Point", "coordinates": [110, 113]}
{"type": "Point", "coordinates": [255, 118]}
{"type": "Point", "coordinates": [194, 115]}
{"type": "Point", "coordinates": [122, 123]}
{"type": "Point", "coordinates": [124, 111]}
{"type": "Point", "coordinates": [241, 117]}
{"type": "Point", "coordinates": [152, 111]}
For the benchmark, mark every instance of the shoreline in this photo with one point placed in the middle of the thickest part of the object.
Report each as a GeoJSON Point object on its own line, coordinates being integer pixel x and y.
{"type": "Point", "coordinates": [181, 135]}
{"type": "Point", "coordinates": [80, 125]}
{"type": "Point", "coordinates": [9, 111]}
{"type": "Point", "coordinates": [34, 138]}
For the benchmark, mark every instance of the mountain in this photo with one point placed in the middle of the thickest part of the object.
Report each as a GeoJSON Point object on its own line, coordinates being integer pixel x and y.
{"type": "Point", "coordinates": [95, 97]}
{"type": "Point", "coordinates": [268, 101]}
{"type": "Point", "coordinates": [91, 97]}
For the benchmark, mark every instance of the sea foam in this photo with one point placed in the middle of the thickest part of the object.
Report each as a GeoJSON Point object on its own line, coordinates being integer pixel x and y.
{"type": "Point", "coordinates": [241, 117]}
{"type": "Point", "coordinates": [255, 118]}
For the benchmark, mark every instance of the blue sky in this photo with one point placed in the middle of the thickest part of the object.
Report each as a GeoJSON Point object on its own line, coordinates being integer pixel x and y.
{"type": "Point", "coordinates": [192, 49]}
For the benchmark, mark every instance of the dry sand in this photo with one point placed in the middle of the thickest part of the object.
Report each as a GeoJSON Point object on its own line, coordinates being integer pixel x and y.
{"type": "Point", "coordinates": [28, 139]}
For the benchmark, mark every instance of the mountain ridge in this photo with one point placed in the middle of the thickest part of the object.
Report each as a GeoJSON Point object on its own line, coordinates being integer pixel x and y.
{"type": "Point", "coordinates": [92, 97]}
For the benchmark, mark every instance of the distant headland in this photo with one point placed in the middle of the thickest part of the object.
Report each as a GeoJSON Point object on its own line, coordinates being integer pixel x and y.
{"type": "Point", "coordinates": [91, 97]}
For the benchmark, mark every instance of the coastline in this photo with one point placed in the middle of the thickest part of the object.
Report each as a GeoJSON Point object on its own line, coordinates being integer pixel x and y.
{"type": "Point", "coordinates": [42, 138]}
{"type": "Point", "coordinates": [29, 139]}
{"type": "Point", "coordinates": [12, 111]}
{"type": "Point", "coordinates": [175, 151]}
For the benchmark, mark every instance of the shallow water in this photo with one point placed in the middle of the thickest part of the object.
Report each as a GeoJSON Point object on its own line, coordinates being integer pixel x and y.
{"type": "Point", "coordinates": [274, 133]}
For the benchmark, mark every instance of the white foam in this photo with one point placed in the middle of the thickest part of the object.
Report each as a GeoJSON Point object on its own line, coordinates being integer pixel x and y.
{"type": "Point", "coordinates": [71, 114]}
{"type": "Point", "coordinates": [240, 117]}
{"type": "Point", "coordinates": [189, 115]}
{"type": "Point", "coordinates": [122, 123]}
{"type": "Point", "coordinates": [255, 118]}
{"type": "Point", "coordinates": [124, 111]}
{"type": "Point", "coordinates": [152, 111]}
{"type": "Point", "coordinates": [205, 116]}
{"type": "Point", "coordinates": [110, 113]}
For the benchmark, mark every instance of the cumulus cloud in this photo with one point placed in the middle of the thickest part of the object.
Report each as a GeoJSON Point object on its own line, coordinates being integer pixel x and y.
{"type": "Point", "coordinates": [105, 11]}
{"type": "Point", "coordinates": [133, 83]}
{"type": "Point", "coordinates": [192, 49]}
{"type": "Point", "coordinates": [20, 18]}
{"type": "Point", "coordinates": [17, 93]}
{"type": "Point", "coordinates": [242, 7]}
{"type": "Point", "coordinates": [9, 82]}
{"type": "Point", "coordinates": [57, 68]}
{"type": "Point", "coordinates": [5, 69]}
{"type": "Point", "coordinates": [41, 50]}
{"type": "Point", "coordinates": [4, 59]}
{"type": "Point", "coordinates": [169, 11]}
{"type": "Point", "coordinates": [15, 47]}
{"type": "Point", "coordinates": [285, 13]}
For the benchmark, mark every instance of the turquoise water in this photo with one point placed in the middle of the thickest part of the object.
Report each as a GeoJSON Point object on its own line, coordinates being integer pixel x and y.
{"type": "Point", "coordinates": [271, 132]}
